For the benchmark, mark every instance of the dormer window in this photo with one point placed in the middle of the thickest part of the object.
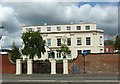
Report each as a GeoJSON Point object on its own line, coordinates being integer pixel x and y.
{"type": "Point", "coordinates": [29, 29]}
{"type": "Point", "coordinates": [68, 28]}
{"type": "Point", "coordinates": [48, 28]}
{"type": "Point", "coordinates": [78, 27]}
{"type": "Point", "coordinates": [87, 27]}
{"type": "Point", "coordinates": [38, 28]}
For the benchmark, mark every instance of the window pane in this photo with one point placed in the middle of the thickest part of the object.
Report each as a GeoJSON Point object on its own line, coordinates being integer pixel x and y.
{"type": "Point", "coordinates": [59, 28]}
{"type": "Point", "coordinates": [100, 40]}
{"type": "Point", "coordinates": [48, 28]}
{"type": "Point", "coordinates": [69, 41]}
{"type": "Point", "coordinates": [29, 29]}
{"type": "Point", "coordinates": [88, 41]}
{"type": "Point", "coordinates": [58, 54]}
{"type": "Point", "coordinates": [49, 42]}
{"type": "Point", "coordinates": [79, 52]}
{"type": "Point", "coordinates": [48, 52]}
{"type": "Point", "coordinates": [88, 51]}
{"type": "Point", "coordinates": [69, 54]}
{"type": "Point", "coordinates": [78, 27]}
{"type": "Point", "coordinates": [58, 42]}
{"type": "Point", "coordinates": [87, 27]}
{"type": "Point", "coordinates": [68, 28]}
{"type": "Point", "coordinates": [79, 41]}
{"type": "Point", "coordinates": [38, 28]}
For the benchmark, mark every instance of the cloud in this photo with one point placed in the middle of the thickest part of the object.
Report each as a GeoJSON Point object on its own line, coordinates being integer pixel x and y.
{"type": "Point", "coordinates": [37, 13]}
{"type": "Point", "coordinates": [12, 26]}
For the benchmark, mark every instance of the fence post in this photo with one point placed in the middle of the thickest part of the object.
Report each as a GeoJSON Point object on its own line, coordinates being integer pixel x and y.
{"type": "Point", "coordinates": [53, 66]}
{"type": "Point", "coordinates": [65, 66]}
{"type": "Point", "coordinates": [29, 66]}
{"type": "Point", "coordinates": [18, 66]}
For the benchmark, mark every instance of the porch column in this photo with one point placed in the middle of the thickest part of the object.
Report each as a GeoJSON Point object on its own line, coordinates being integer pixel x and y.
{"type": "Point", "coordinates": [53, 66]}
{"type": "Point", "coordinates": [18, 66]}
{"type": "Point", "coordinates": [65, 66]}
{"type": "Point", "coordinates": [29, 66]}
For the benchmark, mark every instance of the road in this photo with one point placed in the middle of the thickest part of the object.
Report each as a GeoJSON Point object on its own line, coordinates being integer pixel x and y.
{"type": "Point", "coordinates": [60, 79]}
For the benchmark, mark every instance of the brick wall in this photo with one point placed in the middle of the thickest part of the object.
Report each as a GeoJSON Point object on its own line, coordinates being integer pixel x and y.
{"type": "Point", "coordinates": [7, 66]}
{"type": "Point", "coordinates": [97, 63]}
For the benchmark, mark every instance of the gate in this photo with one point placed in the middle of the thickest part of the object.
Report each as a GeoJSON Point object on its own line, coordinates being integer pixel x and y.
{"type": "Point", "coordinates": [41, 67]}
{"type": "Point", "coordinates": [24, 67]}
{"type": "Point", "coordinates": [59, 68]}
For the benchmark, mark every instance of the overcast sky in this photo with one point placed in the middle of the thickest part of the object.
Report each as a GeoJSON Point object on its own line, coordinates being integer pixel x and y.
{"type": "Point", "coordinates": [15, 14]}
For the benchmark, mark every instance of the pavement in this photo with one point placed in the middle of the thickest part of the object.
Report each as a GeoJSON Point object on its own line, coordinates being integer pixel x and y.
{"type": "Point", "coordinates": [60, 79]}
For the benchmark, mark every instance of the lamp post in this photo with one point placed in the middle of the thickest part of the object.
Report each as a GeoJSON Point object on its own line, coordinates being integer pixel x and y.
{"type": "Point", "coordinates": [84, 55]}
{"type": "Point", "coordinates": [1, 28]}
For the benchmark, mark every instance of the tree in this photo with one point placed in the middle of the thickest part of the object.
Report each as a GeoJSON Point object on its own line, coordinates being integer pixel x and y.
{"type": "Point", "coordinates": [64, 48]}
{"type": "Point", "coordinates": [15, 53]}
{"type": "Point", "coordinates": [33, 44]}
{"type": "Point", "coordinates": [117, 42]}
{"type": "Point", "coordinates": [110, 40]}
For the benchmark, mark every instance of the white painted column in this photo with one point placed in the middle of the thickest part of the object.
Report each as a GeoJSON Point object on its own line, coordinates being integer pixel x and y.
{"type": "Point", "coordinates": [53, 66]}
{"type": "Point", "coordinates": [29, 66]}
{"type": "Point", "coordinates": [18, 66]}
{"type": "Point", "coordinates": [65, 66]}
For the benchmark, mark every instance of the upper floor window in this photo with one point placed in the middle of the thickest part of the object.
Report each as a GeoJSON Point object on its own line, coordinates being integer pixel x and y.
{"type": "Point", "coordinates": [49, 42]}
{"type": "Point", "coordinates": [38, 28]}
{"type": "Point", "coordinates": [69, 41]}
{"type": "Point", "coordinates": [88, 41]}
{"type": "Point", "coordinates": [58, 41]}
{"type": "Point", "coordinates": [79, 42]}
{"type": "Point", "coordinates": [87, 27]}
{"type": "Point", "coordinates": [100, 40]}
{"type": "Point", "coordinates": [68, 28]}
{"type": "Point", "coordinates": [78, 27]}
{"type": "Point", "coordinates": [29, 29]}
{"type": "Point", "coordinates": [48, 28]}
{"type": "Point", "coordinates": [58, 28]}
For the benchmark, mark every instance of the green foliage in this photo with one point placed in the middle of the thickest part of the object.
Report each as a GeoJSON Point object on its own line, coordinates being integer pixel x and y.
{"type": "Point", "coordinates": [33, 44]}
{"type": "Point", "coordinates": [109, 42]}
{"type": "Point", "coordinates": [15, 53]}
{"type": "Point", "coordinates": [64, 49]}
{"type": "Point", "coordinates": [117, 42]}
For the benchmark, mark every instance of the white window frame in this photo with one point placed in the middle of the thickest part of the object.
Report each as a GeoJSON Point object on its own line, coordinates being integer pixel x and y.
{"type": "Point", "coordinates": [49, 41]}
{"type": "Point", "coordinates": [58, 28]}
{"type": "Point", "coordinates": [79, 41]}
{"type": "Point", "coordinates": [58, 55]}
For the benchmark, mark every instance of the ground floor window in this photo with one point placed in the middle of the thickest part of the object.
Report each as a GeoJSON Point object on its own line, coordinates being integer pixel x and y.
{"type": "Point", "coordinates": [69, 54]}
{"type": "Point", "coordinates": [48, 52]}
{"type": "Point", "coordinates": [88, 51]}
{"type": "Point", "coordinates": [79, 52]}
{"type": "Point", "coordinates": [58, 54]}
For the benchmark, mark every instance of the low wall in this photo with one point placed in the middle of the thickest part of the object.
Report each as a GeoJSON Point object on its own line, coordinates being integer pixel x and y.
{"type": "Point", "coordinates": [7, 66]}
{"type": "Point", "coordinates": [97, 63]}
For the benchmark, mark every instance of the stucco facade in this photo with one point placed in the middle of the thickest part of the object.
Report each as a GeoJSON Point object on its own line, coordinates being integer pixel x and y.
{"type": "Point", "coordinates": [79, 37]}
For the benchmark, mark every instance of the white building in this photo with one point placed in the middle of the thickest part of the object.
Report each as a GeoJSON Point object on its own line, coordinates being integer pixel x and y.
{"type": "Point", "coordinates": [82, 36]}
